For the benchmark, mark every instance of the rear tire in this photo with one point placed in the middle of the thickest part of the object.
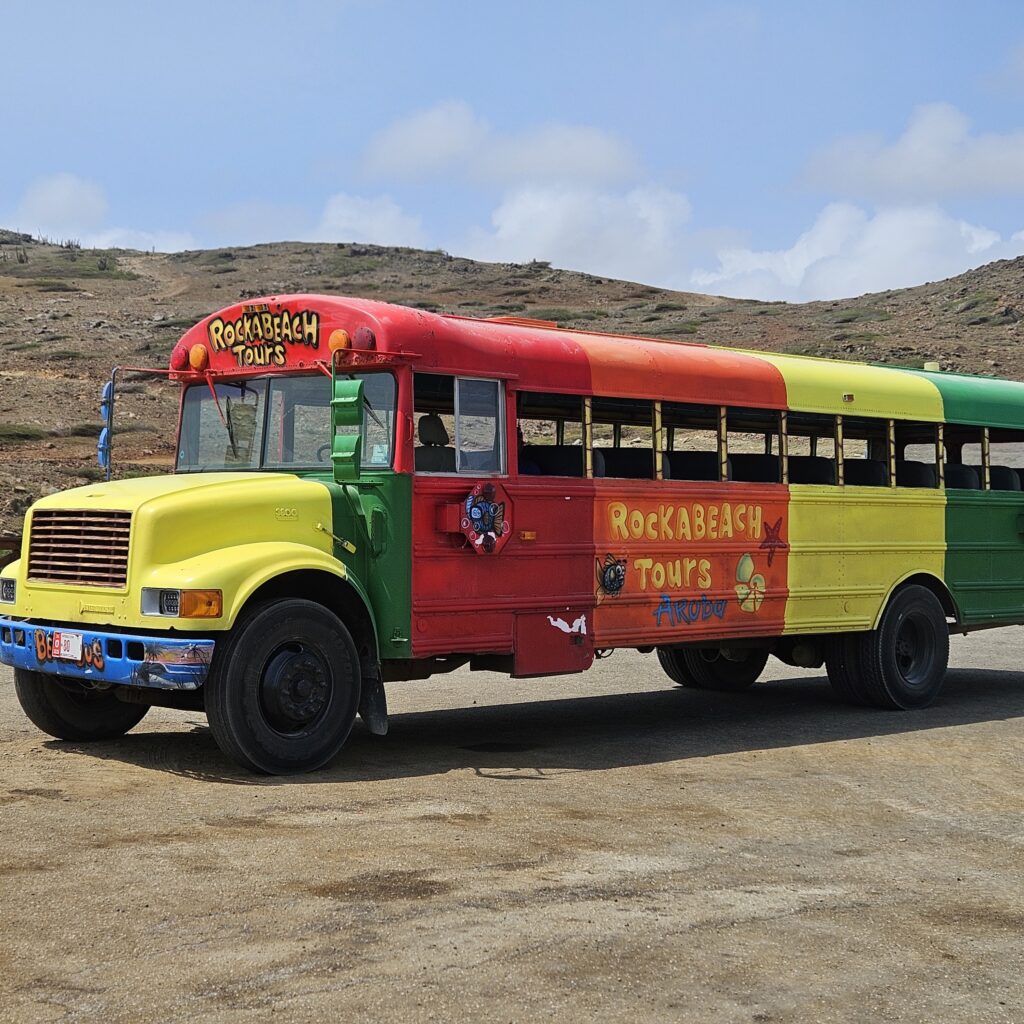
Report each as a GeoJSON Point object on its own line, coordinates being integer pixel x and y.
{"type": "Point", "coordinates": [711, 670]}
{"type": "Point", "coordinates": [903, 662]}
{"type": "Point", "coordinates": [671, 659]}
{"type": "Point", "coordinates": [70, 710]}
{"type": "Point", "coordinates": [842, 662]}
{"type": "Point", "coordinates": [284, 690]}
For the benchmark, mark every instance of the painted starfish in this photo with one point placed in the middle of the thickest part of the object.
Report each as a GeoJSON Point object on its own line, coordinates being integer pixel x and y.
{"type": "Point", "coordinates": [772, 541]}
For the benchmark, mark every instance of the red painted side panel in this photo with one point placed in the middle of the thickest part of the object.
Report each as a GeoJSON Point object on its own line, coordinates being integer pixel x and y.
{"type": "Point", "coordinates": [464, 601]}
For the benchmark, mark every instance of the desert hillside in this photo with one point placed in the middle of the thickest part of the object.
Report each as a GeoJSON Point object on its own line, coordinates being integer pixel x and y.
{"type": "Point", "coordinates": [68, 314]}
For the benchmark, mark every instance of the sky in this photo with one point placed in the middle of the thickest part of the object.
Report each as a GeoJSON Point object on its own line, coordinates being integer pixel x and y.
{"type": "Point", "coordinates": [771, 150]}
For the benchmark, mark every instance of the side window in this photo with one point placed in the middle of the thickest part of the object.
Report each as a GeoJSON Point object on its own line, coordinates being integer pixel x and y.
{"type": "Point", "coordinates": [1006, 459]}
{"type": "Point", "coordinates": [692, 437]}
{"type": "Point", "coordinates": [624, 438]}
{"type": "Point", "coordinates": [753, 443]}
{"type": "Point", "coordinates": [550, 435]}
{"type": "Point", "coordinates": [965, 457]}
{"type": "Point", "coordinates": [459, 425]}
{"type": "Point", "coordinates": [478, 426]}
{"type": "Point", "coordinates": [865, 452]}
{"type": "Point", "coordinates": [917, 448]}
{"type": "Point", "coordinates": [811, 445]}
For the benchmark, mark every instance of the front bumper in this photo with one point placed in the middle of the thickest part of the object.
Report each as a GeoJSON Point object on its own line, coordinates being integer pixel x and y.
{"type": "Point", "coordinates": [119, 658]}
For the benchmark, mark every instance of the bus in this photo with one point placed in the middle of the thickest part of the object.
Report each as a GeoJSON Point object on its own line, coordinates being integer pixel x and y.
{"type": "Point", "coordinates": [365, 493]}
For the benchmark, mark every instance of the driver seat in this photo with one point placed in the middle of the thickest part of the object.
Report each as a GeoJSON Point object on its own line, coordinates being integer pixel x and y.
{"type": "Point", "coordinates": [434, 453]}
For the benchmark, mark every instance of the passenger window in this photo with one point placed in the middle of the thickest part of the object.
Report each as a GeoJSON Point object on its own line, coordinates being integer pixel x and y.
{"type": "Point", "coordinates": [753, 443]}
{"type": "Point", "coordinates": [692, 441]}
{"type": "Point", "coordinates": [459, 427]}
{"type": "Point", "coordinates": [865, 452]}
{"type": "Point", "coordinates": [964, 456]}
{"type": "Point", "coordinates": [811, 448]}
{"type": "Point", "coordinates": [550, 435]}
{"type": "Point", "coordinates": [917, 454]}
{"type": "Point", "coordinates": [478, 426]}
{"type": "Point", "coordinates": [1006, 459]}
{"type": "Point", "coordinates": [624, 437]}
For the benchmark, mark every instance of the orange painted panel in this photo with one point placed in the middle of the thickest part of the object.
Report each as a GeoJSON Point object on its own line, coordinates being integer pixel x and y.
{"type": "Point", "coordinates": [677, 562]}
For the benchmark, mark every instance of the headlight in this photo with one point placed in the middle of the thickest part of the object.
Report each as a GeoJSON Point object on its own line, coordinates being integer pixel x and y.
{"type": "Point", "coordinates": [182, 604]}
{"type": "Point", "coordinates": [8, 589]}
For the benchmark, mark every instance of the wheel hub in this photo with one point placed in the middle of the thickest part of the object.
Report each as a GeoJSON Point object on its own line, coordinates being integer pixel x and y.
{"type": "Point", "coordinates": [295, 689]}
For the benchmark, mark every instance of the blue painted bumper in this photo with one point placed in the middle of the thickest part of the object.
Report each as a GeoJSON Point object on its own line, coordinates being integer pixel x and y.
{"type": "Point", "coordinates": [160, 662]}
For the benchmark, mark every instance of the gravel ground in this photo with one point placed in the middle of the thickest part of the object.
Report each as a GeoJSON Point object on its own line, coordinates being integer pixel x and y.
{"type": "Point", "coordinates": [594, 848]}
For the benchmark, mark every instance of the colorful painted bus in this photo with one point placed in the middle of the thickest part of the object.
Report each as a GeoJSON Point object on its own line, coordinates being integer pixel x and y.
{"type": "Point", "coordinates": [366, 493]}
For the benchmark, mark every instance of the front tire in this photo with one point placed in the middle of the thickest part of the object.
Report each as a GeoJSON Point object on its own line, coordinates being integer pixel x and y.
{"type": "Point", "coordinates": [712, 670]}
{"type": "Point", "coordinates": [903, 662]}
{"type": "Point", "coordinates": [284, 690]}
{"type": "Point", "coordinates": [70, 710]}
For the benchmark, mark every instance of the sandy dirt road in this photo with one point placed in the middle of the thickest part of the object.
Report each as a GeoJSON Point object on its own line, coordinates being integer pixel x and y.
{"type": "Point", "coordinates": [600, 848]}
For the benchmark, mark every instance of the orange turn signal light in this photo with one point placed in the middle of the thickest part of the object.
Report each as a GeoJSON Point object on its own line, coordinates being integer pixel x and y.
{"type": "Point", "coordinates": [201, 604]}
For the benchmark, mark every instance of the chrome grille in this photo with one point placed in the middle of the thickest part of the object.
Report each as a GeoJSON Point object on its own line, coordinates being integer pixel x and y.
{"type": "Point", "coordinates": [80, 546]}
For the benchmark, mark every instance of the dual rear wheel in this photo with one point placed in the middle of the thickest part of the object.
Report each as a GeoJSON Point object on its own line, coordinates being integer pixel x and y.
{"type": "Point", "coordinates": [730, 670]}
{"type": "Point", "coordinates": [899, 665]}
{"type": "Point", "coordinates": [902, 664]}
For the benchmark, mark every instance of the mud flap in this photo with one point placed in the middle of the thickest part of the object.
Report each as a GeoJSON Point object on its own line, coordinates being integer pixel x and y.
{"type": "Point", "coordinates": [373, 705]}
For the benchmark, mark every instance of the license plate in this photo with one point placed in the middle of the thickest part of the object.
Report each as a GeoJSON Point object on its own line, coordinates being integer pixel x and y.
{"type": "Point", "coordinates": [67, 646]}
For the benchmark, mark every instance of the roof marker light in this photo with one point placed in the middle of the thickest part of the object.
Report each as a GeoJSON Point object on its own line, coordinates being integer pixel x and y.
{"type": "Point", "coordinates": [179, 358]}
{"type": "Point", "coordinates": [338, 340]}
{"type": "Point", "coordinates": [364, 338]}
{"type": "Point", "coordinates": [198, 357]}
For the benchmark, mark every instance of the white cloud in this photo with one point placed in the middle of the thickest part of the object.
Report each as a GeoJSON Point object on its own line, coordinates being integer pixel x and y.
{"type": "Point", "coordinates": [379, 220]}
{"type": "Point", "coordinates": [848, 252]}
{"type": "Point", "coordinates": [637, 235]}
{"type": "Point", "coordinates": [61, 206]}
{"type": "Point", "coordinates": [64, 206]}
{"type": "Point", "coordinates": [450, 139]}
{"type": "Point", "coordinates": [935, 156]}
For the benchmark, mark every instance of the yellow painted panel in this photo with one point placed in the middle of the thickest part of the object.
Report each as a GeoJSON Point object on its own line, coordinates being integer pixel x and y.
{"type": "Point", "coordinates": [223, 531]}
{"type": "Point", "coordinates": [818, 385]}
{"type": "Point", "coordinates": [848, 547]}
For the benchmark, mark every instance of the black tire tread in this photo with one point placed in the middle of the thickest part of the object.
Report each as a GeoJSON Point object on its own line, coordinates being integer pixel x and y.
{"type": "Point", "coordinates": [222, 711]}
{"type": "Point", "coordinates": [879, 690]}
{"type": "Point", "coordinates": [842, 663]}
{"type": "Point", "coordinates": [721, 674]}
{"type": "Point", "coordinates": [51, 707]}
{"type": "Point", "coordinates": [671, 661]}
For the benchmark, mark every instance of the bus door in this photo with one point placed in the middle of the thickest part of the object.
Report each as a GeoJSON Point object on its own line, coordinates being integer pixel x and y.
{"type": "Point", "coordinates": [481, 582]}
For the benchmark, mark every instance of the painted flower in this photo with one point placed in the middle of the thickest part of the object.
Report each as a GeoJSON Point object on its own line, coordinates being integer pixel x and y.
{"type": "Point", "coordinates": [750, 585]}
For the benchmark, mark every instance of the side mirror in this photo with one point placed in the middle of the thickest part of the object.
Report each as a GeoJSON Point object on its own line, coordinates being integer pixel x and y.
{"type": "Point", "coordinates": [103, 449]}
{"type": "Point", "coordinates": [107, 402]}
{"type": "Point", "coordinates": [107, 412]}
{"type": "Point", "coordinates": [346, 420]}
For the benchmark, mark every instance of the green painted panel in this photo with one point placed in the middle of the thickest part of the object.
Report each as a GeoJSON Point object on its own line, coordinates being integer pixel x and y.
{"type": "Point", "coordinates": [987, 401]}
{"type": "Point", "coordinates": [985, 554]}
{"type": "Point", "coordinates": [373, 515]}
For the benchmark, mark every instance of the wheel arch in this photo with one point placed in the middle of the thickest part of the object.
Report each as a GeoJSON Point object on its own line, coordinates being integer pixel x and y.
{"type": "Point", "coordinates": [930, 582]}
{"type": "Point", "coordinates": [342, 596]}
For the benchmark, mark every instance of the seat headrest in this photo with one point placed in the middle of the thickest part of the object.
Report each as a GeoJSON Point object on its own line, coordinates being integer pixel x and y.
{"type": "Point", "coordinates": [431, 430]}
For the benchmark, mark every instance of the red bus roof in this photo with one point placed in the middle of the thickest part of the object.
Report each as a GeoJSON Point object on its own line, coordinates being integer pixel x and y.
{"type": "Point", "coordinates": [297, 332]}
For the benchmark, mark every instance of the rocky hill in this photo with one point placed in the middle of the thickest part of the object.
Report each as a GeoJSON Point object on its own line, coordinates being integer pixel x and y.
{"type": "Point", "coordinates": [67, 315]}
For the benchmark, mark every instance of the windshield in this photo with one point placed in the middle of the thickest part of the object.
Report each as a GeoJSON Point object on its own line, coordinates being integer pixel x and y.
{"type": "Point", "coordinates": [279, 423]}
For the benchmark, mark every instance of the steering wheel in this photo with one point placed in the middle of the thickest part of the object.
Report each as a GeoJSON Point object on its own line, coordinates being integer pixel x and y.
{"type": "Point", "coordinates": [322, 451]}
